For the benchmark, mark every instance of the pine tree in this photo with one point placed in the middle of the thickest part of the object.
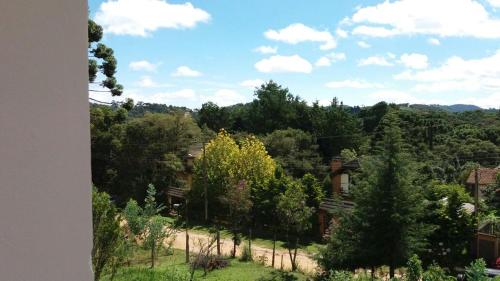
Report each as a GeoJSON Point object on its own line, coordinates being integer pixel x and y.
{"type": "Point", "coordinates": [385, 224]}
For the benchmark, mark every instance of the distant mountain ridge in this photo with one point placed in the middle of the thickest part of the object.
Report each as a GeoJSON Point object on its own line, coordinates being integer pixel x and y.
{"type": "Point", "coordinates": [449, 108]}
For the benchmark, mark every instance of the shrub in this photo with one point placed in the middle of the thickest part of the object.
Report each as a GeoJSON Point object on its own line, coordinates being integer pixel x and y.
{"type": "Point", "coordinates": [246, 254]}
{"type": "Point", "coordinates": [436, 273]}
{"type": "Point", "coordinates": [414, 269]}
{"type": "Point", "coordinates": [340, 276]}
{"type": "Point", "coordinates": [476, 271]}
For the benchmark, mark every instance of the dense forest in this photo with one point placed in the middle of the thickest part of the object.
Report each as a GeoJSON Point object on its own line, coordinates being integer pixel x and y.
{"type": "Point", "coordinates": [147, 143]}
{"type": "Point", "coordinates": [265, 165]}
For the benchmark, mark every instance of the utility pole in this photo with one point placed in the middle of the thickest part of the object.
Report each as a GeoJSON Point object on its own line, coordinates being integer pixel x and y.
{"type": "Point", "coordinates": [476, 207]}
{"type": "Point", "coordinates": [205, 190]}
{"type": "Point", "coordinates": [187, 233]}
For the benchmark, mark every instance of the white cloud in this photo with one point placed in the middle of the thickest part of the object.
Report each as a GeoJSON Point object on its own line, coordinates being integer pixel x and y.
{"type": "Point", "coordinates": [374, 60]}
{"type": "Point", "coordinates": [396, 96]}
{"type": "Point", "coordinates": [341, 33]}
{"type": "Point", "coordinates": [364, 45]}
{"type": "Point", "coordinates": [434, 41]}
{"type": "Point", "coordinates": [458, 74]}
{"type": "Point", "coordinates": [148, 82]}
{"type": "Point", "coordinates": [298, 33]}
{"type": "Point", "coordinates": [494, 3]}
{"type": "Point", "coordinates": [225, 97]}
{"type": "Point", "coordinates": [441, 18]}
{"type": "Point", "coordinates": [328, 59]}
{"type": "Point", "coordinates": [323, 61]}
{"type": "Point", "coordinates": [490, 101]}
{"type": "Point", "coordinates": [415, 61]}
{"type": "Point", "coordinates": [142, 17]}
{"type": "Point", "coordinates": [276, 64]}
{"type": "Point", "coordinates": [252, 83]}
{"type": "Point", "coordinates": [143, 65]}
{"type": "Point", "coordinates": [353, 84]}
{"type": "Point", "coordinates": [266, 50]}
{"type": "Point", "coordinates": [184, 71]}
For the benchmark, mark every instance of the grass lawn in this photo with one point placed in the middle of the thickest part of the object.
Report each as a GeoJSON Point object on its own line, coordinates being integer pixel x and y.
{"type": "Point", "coordinates": [172, 268]}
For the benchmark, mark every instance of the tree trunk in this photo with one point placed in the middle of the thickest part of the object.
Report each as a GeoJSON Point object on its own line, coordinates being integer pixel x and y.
{"type": "Point", "coordinates": [373, 272]}
{"type": "Point", "coordinates": [391, 271]}
{"type": "Point", "coordinates": [234, 247]}
{"type": "Point", "coordinates": [218, 240]}
{"type": "Point", "coordinates": [289, 246]}
{"type": "Point", "coordinates": [294, 263]}
{"type": "Point", "coordinates": [153, 255]}
{"type": "Point", "coordinates": [250, 240]}
{"type": "Point", "coordinates": [274, 246]}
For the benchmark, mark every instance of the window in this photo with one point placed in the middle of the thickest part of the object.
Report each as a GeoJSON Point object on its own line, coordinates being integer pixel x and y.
{"type": "Point", "coordinates": [344, 183]}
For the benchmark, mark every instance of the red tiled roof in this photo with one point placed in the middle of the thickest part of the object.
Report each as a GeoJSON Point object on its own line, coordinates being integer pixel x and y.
{"type": "Point", "coordinates": [486, 176]}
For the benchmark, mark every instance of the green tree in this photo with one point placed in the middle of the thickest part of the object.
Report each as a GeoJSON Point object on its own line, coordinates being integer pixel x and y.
{"type": "Point", "coordinates": [414, 269]}
{"type": "Point", "coordinates": [477, 271]}
{"type": "Point", "coordinates": [214, 117]}
{"type": "Point", "coordinates": [106, 232]}
{"type": "Point", "coordinates": [296, 151]}
{"type": "Point", "coordinates": [152, 149]}
{"type": "Point", "coordinates": [133, 214]}
{"type": "Point", "coordinates": [295, 217]}
{"type": "Point", "coordinates": [385, 227]}
{"type": "Point", "coordinates": [492, 195]}
{"type": "Point", "coordinates": [454, 226]}
{"type": "Point", "coordinates": [101, 60]}
{"type": "Point", "coordinates": [237, 199]}
{"type": "Point", "coordinates": [151, 207]}
{"type": "Point", "coordinates": [157, 229]}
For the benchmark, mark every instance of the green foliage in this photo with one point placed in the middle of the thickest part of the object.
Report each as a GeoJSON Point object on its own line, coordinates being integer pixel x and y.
{"type": "Point", "coordinates": [436, 273]}
{"type": "Point", "coordinates": [156, 229]}
{"type": "Point", "coordinates": [296, 151]}
{"type": "Point", "coordinates": [385, 227]}
{"type": "Point", "coordinates": [133, 213]}
{"type": "Point", "coordinates": [476, 271]}
{"type": "Point", "coordinates": [106, 232]}
{"type": "Point", "coordinates": [128, 154]}
{"type": "Point", "coordinates": [414, 269]}
{"type": "Point", "coordinates": [492, 196]}
{"type": "Point", "coordinates": [101, 60]}
{"type": "Point", "coordinates": [151, 208]}
{"type": "Point", "coordinates": [214, 117]}
{"type": "Point", "coordinates": [294, 216]}
{"type": "Point", "coordinates": [246, 254]}
{"type": "Point", "coordinates": [340, 276]}
{"type": "Point", "coordinates": [453, 225]}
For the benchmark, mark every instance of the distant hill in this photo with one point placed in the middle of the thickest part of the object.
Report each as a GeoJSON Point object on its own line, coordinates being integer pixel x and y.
{"type": "Point", "coordinates": [449, 108]}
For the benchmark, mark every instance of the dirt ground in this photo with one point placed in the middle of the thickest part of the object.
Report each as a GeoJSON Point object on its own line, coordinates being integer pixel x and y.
{"type": "Point", "coordinates": [282, 259]}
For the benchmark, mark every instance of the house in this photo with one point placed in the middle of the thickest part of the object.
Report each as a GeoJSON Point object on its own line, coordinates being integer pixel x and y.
{"type": "Point", "coordinates": [487, 244]}
{"type": "Point", "coordinates": [176, 195]}
{"type": "Point", "coordinates": [341, 178]}
{"type": "Point", "coordinates": [486, 177]}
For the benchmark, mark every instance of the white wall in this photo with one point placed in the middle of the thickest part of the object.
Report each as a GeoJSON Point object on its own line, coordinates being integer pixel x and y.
{"type": "Point", "coordinates": [45, 207]}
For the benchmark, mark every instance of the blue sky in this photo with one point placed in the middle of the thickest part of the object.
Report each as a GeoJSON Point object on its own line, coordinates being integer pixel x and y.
{"type": "Point", "coordinates": [417, 51]}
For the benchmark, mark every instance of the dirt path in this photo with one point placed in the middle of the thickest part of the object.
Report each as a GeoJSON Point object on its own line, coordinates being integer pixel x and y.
{"type": "Point", "coordinates": [304, 261]}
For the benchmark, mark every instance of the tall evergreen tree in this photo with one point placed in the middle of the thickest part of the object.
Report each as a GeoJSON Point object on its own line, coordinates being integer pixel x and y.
{"type": "Point", "coordinates": [385, 226]}
{"type": "Point", "coordinates": [388, 204]}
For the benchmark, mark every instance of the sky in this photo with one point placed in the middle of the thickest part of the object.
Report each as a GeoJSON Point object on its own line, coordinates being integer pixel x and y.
{"type": "Point", "coordinates": [362, 52]}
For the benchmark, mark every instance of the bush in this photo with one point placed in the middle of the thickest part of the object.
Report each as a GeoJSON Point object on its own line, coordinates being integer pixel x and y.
{"type": "Point", "coordinates": [414, 269]}
{"type": "Point", "coordinates": [246, 254]}
{"type": "Point", "coordinates": [476, 271]}
{"type": "Point", "coordinates": [339, 276]}
{"type": "Point", "coordinates": [279, 276]}
{"type": "Point", "coordinates": [436, 273]}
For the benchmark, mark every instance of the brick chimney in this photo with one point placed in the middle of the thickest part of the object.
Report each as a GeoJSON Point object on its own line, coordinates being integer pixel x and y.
{"type": "Point", "coordinates": [336, 166]}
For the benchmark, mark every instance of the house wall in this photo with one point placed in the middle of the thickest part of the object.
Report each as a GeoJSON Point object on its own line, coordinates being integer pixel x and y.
{"type": "Point", "coordinates": [45, 195]}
